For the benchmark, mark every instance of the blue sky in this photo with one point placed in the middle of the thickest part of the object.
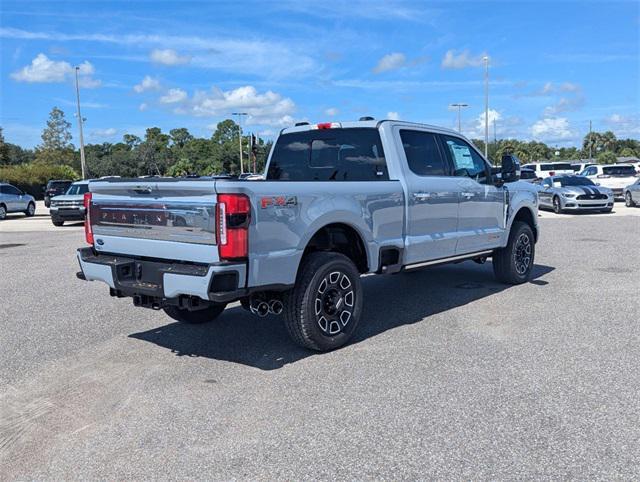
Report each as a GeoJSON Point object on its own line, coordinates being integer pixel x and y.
{"type": "Point", "coordinates": [554, 65]}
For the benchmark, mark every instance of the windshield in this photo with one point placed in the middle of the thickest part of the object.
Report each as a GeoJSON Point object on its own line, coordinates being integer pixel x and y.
{"type": "Point", "coordinates": [77, 189]}
{"type": "Point", "coordinates": [574, 181]}
{"type": "Point", "coordinates": [559, 166]}
{"type": "Point", "coordinates": [619, 171]}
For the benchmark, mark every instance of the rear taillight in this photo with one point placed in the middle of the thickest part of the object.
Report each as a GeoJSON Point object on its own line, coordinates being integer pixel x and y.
{"type": "Point", "coordinates": [233, 215]}
{"type": "Point", "coordinates": [88, 230]}
{"type": "Point", "coordinates": [552, 173]}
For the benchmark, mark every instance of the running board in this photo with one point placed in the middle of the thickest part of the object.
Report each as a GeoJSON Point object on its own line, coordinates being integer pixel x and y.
{"type": "Point", "coordinates": [461, 257]}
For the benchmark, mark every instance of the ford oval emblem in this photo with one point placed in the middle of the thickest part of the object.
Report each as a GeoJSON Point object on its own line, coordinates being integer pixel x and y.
{"type": "Point", "coordinates": [100, 242]}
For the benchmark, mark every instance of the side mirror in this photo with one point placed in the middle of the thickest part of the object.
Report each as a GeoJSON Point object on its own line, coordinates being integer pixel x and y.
{"type": "Point", "coordinates": [510, 170]}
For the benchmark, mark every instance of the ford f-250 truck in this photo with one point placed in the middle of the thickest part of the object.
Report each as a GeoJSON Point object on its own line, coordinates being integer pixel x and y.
{"type": "Point", "coordinates": [338, 200]}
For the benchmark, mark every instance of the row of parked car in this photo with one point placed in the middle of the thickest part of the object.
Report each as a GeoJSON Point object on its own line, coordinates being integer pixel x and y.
{"type": "Point", "coordinates": [566, 187]}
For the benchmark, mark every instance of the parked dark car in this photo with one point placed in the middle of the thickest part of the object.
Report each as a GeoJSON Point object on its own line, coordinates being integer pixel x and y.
{"type": "Point", "coordinates": [55, 188]}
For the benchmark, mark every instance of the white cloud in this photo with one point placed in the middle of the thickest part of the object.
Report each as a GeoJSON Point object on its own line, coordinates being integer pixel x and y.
{"type": "Point", "coordinates": [392, 61]}
{"type": "Point", "coordinates": [268, 108]}
{"type": "Point", "coordinates": [552, 129]}
{"type": "Point", "coordinates": [393, 115]}
{"type": "Point", "coordinates": [623, 126]}
{"type": "Point", "coordinates": [169, 57]}
{"type": "Point", "coordinates": [263, 58]}
{"type": "Point", "coordinates": [142, 107]}
{"type": "Point", "coordinates": [173, 96]}
{"type": "Point", "coordinates": [475, 128]}
{"type": "Point", "coordinates": [462, 60]}
{"type": "Point", "coordinates": [104, 133]}
{"type": "Point", "coordinates": [564, 104]}
{"type": "Point", "coordinates": [331, 112]}
{"type": "Point", "coordinates": [44, 70]}
{"type": "Point", "coordinates": [148, 83]}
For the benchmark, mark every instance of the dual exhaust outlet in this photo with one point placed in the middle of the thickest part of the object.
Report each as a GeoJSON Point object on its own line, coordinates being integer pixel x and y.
{"type": "Point", "coordinates": [262, 308]}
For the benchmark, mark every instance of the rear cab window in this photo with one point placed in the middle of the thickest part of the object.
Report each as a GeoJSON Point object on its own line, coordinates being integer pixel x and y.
{"type": "Point", "coordinates": [423, 154]}
{"type": "Point", "coordinates": [349, 154]}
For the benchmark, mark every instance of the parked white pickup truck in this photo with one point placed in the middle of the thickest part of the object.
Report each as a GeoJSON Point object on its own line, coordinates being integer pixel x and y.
{"type": "Point", "coordinates": [614, 176]}
{"type": "Point", "coordinates": [338, 200]}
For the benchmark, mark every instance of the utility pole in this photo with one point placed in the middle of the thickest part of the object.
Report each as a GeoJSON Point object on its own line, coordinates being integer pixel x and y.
{"type": "Point", "coordinates": [80, 119]}
{"type": "Point", "coordinates": [486, 106]}
{"type": "Point", "coordinates": [495, 137]}
{"type": "Point", "coordinates": [240, 114]}
{"type": "Point", "coordinates": [459, 106]}
{"type": "Point", "coordinates": [590, 143]}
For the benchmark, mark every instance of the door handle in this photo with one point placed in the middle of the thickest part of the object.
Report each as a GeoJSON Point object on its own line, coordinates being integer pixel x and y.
{"type": "Point", "coordinates": [468, 194]}
{"type": "Point", "coordinates": [422, 195]}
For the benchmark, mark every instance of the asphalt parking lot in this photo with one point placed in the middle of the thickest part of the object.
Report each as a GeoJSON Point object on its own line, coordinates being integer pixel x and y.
{"type": "Point", "coordinates": [451, 374]}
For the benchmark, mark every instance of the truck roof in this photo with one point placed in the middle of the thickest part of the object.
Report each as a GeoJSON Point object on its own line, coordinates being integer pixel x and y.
{"type": "Point", "coordinates": [365, 123]}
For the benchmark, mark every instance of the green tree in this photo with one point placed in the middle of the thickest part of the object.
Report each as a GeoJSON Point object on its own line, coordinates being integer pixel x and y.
{"type": "Point", "coordinates": [608, 141]}
{"type": "Point", "coordinates": [180, 137]}
{"type": "Point", "coordinates": [606, 157]}
{"type": "Point", "coordinates": [131, 140]}
{"type": "Point", "coordinates": [56, 135]}
{"type": "Point", "coordinates": [628, 152]}
{"type": "Point", "coordinates": [4, 149]}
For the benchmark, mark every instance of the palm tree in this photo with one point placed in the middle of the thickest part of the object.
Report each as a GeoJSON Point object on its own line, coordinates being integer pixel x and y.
{"type": "Point", "coordinates": [608, 141]}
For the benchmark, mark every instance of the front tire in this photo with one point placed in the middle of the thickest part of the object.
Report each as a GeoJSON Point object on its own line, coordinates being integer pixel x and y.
{"type": "Point", "coordinates": [57, 222]}
{"type": "Point", "coordinates": [513, 264]}
{"type": "Point", "coordinates": [628, 200]}
{"type": "Point", "coordinates": [3, 211]}
{"type": "Point", "coordinates": [557, 207]}
{"type": "Point", "coordinates": [322, 311]}
{"type": "Point", "coordinates": [31, 210]}
{"type": "Point", "coordinates": [204, 315]}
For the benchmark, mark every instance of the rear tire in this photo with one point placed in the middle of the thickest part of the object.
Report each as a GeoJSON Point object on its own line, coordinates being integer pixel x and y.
{"type": "Point", "coordinates": [3, 211]}
{"type": "Point", "coordinates": [322, 311]}
{"type": "Point", "coordinates": [57, 222]}
{"type": "Point", "coordinates": [513, 264]}
{"type": "Point", "coordinates": [31, 210]}
{"type": "Point", "coordinates": [628, 200]}
{"type": "Point", "coordinates": [204, 315]}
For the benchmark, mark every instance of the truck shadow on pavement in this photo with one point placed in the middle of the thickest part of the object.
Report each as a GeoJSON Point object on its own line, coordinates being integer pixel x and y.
{"type": "Point", "coordinates": [390, 301]}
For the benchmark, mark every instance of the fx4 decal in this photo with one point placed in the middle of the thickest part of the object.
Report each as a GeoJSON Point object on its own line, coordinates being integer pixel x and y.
{"type": "Point", "coordinates": [278, 201]}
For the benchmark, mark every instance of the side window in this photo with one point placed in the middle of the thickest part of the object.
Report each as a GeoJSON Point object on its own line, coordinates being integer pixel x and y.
{"type": "Point", "coordinates": [422, 152]}
{"type": "Point", "coordinates": [466, 161]}
{"type": "Point", "coordinates": [592, 171]}
{"type": "Point", "coordinates": [14, 191]}
{"type": "Point", "coordinates": [547, 182]}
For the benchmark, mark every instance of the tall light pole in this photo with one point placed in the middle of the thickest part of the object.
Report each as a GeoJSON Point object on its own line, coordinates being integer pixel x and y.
{"type": "Point", "coordinates": [486, 106]}
{"type": "Point", "coordinates": [240, 114]}
{"type": "Point", "coordinates": [459, 106]}
{"type": "Point", "coordinates": [590, 144]}
{"type": "Point", "coordinates": [82, 160]}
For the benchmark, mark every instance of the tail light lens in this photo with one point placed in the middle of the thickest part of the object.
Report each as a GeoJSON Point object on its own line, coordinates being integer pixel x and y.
{"type": "Point", "coordinates": [88, 230]}
{"type": "Point", "coordinates": [552, 173]}
{"type": "Point", "coordinates": [233, 216]}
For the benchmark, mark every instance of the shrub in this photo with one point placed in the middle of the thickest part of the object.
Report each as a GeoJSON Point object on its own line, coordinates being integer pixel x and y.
{"type": "Point", "coordinates": [32, 177]}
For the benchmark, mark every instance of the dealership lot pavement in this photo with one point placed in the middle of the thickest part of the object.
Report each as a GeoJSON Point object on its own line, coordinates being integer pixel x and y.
{"type": "Point", "coordinates": [451, 375]}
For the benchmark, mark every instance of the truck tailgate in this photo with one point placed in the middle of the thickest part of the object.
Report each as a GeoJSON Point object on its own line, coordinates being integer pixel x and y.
{"type": "Point", "coordinates": [158, 218]}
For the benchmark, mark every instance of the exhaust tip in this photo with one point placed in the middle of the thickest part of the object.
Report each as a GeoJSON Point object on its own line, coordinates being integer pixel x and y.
{"type": "Point", "coordinates": [276, 307]}
{"type": "Point", "coordinates": [262, 309]}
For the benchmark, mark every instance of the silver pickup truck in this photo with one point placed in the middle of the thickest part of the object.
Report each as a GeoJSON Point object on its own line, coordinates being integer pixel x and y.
{"type": "Point", "coordinates": [337, 200]}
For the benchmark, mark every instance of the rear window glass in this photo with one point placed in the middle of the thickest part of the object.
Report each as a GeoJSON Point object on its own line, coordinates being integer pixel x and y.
{"type": "Point", "coordinates": [78, 189]}
{"type": "Point", "coordinates": [329, 155]}
{"type": "Point", "coordinates": [556, 167]}
{"type": "Point", "coordinates": [527, 174]}
{"type": "Point", "coordinates": [619, 171]}
{"type": "Point", "coordinates": [423, 155]}
{"type": "Point", "coordinates": [58, 184]}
